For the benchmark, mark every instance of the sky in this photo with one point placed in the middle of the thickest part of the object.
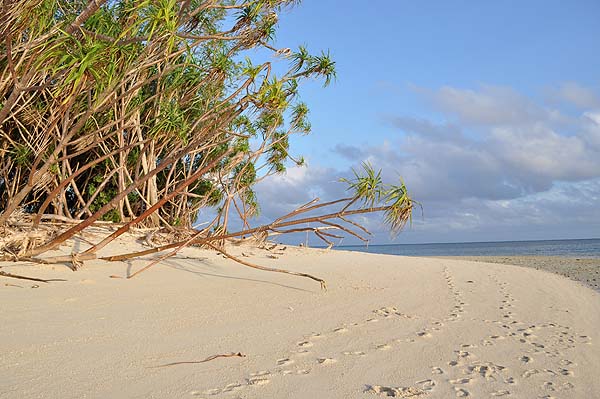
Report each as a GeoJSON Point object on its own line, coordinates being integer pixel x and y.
{"type": "Point", "coordinates": [489, 111]}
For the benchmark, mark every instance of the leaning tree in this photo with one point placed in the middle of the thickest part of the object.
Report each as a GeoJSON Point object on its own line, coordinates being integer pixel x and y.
{"type": "Point", "coordinates": [143, 112]}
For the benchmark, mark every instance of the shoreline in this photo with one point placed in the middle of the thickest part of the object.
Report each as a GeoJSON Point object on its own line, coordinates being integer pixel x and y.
{"type": "Point", "coordinates": [583, 270]}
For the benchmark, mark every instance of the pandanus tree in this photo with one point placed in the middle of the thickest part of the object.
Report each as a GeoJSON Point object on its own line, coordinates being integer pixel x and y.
{"type": "Point", "coordinates": [144, 112]}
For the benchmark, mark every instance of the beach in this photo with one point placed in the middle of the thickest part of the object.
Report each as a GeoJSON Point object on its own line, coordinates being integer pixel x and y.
{"type": "Point", "coordinates": [387, 326]}
{"type": "Point", "coordinates": [584, 270]}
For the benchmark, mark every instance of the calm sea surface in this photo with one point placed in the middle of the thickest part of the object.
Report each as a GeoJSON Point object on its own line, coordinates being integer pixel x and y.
{"type": "Point", "coordinates": [589, 248]}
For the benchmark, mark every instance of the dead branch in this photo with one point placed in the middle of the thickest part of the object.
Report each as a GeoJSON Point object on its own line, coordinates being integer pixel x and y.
{"type": "Point", "coordinates": [273, 227]}
{"type": "Point", "coordinates": [208, 359]}
{"type": "Point", "coordinates": [172, 253]}
{"type": "Point", "coordinates": [269, 269]}
{"type": "Point", "coordinates": [5, 274]}
{"type": "Point", "coordinates": [75, 259]}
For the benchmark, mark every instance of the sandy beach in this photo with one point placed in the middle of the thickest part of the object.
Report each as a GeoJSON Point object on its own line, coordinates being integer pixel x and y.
{"type": "Point", "coordinates": [584, 270]}
{"type": "Point", "coordinates": [387, 326]}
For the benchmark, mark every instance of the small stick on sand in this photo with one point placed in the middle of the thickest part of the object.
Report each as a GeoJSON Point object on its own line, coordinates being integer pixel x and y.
{"type": "Point", "coordinates": [5, 274]}
{"type": "Point", "coordinates": [208, 359]}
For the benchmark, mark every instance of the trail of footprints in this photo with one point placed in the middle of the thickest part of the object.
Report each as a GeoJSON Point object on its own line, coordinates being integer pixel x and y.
{"type": "Point", "coordinates": [301, 360]}
{"type": "Point", "coordinates": [548, 339]}
{"type": "Point", "coordinates": [296, 363]}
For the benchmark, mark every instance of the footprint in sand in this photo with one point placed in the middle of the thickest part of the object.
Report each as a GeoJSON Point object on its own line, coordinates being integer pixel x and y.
{"type": "Point", "coordinates": [384, 347]}
{"type": "Point", "coordinates": [424, 334]}
{"type": "Point", "coordinates": [502, 392]}
{"type": "Point", "coordinates": [565, 362]}
{"type": "Point", "coordinates": [549, 386]}
{"type": "Point", "coordinates": [437, 370]}
{"type": "Point", "coordinates": [566, 372]}
{"type": "Point", "coordinates": [461, 393]}
{"type": "Point", "coordinates": [298, 372]}
{"type": "Point", "coordinates": [487, 370]}
{"type": "Point", "coordinates": [525, 359]}
{"type": "Point", "coordinates": [510, 380]}
{"type": "Point", "coordinates": [258, 380]}
{"type": "Point", "coordinates": [233, 387]}
{"type": "Point", "coordinates": [529, 373]}
{"type": "Point", "coordinates": [341, 330]}
{"type": "Point", "coordinates": [284, 361]}
{"type": "Point", "coordinates": [305, 344]}
{"type": "Point", "coordinates": [396, 392]}
{"type": "Point", "coordinates": [462, 354]}
{"type": "Point", "coordinates": [356, 353]}
{"type": "Point", "coordinates": [326, 360]}
{"type": "Point", "coordinates": [460, 381]}
{"type": "Point", "coordinates": [427, 385]}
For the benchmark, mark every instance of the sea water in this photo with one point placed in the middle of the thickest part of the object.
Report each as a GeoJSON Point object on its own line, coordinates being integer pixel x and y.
{"type": "Point", "coordinates": [586, 248]}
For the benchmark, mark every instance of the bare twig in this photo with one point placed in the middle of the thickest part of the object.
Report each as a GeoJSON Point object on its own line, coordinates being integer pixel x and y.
{"type": "Point", "coordinates": [5, 274]}
{"type": "Point", "coordinates": [172, 253]}
{"type": "Point", "coordinates": [208, 359]}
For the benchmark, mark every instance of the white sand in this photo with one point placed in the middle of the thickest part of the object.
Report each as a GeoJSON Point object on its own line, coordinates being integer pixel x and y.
{"type": "Point", "coordinates": [387, 327]}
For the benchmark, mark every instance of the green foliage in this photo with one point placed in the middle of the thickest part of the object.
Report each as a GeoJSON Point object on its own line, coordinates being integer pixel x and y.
{"type": "Point", "coordinates": [368, 187]}
{"type": "Point", "coordinates": [148, 85]}
{"type": "Point", "coordinates": [21, 154]}
{"type": "Point", "coordinates": [208, 190]}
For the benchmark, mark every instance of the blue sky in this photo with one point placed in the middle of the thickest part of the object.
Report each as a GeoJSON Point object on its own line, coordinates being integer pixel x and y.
{"type": "Point", "coordinates": [489, 110]}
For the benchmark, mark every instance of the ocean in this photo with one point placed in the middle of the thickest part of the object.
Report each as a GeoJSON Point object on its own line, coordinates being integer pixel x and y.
{"type": "Point", "coordinates": [587, 248]}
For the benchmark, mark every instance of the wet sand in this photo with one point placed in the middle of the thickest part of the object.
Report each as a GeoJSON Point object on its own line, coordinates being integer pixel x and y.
{"type": "Point", "coordinates": [584, 270]}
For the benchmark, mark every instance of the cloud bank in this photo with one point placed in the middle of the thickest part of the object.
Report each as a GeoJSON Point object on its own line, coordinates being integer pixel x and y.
{"type": "Point", "coordinates": [499, 166]}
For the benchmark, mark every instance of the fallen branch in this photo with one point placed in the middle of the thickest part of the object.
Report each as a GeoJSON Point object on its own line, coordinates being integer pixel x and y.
{"type": "Point", "coordinates": [5, 274]}
{"type": "Point", "coordinates": [208, 359]}
{"type": "Point", "coordinates": [75, 259]}
{"type": "Point", "coordinates": [268, 269]}
{"type": "Point", "coordinates": [172, 253]}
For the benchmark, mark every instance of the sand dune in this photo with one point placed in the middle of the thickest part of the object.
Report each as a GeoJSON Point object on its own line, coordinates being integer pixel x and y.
{"type": "Point", "coordinates": [387, 327]}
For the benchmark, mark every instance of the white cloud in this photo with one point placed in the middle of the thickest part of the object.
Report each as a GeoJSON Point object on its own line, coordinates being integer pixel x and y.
{"type": "Point", "coordinates": [506, 168]}
{"type": "Point", "coordinates": [492, 105]}
{"type": "Point", "coordinates": [575, 94]}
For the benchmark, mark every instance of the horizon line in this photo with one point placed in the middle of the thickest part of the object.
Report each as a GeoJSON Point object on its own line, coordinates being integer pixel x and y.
{"type": "Point", "coordinates": [468, 242]}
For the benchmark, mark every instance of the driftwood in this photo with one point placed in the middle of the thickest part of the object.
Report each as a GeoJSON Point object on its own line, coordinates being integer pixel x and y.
{"type": "Point", "coordinates": [5, 274]}
{"type": "Point", "coordinates": [208, 359]}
